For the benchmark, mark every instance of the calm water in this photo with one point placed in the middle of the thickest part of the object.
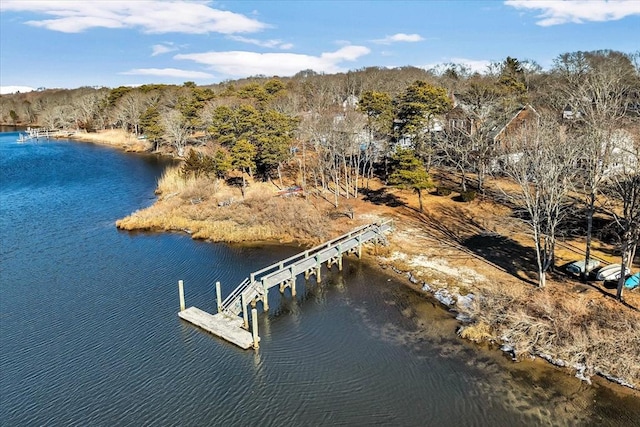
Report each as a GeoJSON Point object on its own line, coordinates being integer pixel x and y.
{"type": "Point", "coordinates": [89, 332]}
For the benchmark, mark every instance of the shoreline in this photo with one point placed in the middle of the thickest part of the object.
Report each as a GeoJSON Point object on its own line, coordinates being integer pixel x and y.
{"type": "Point", "coordinates": [404, 261]}
{"type": "Point", "coordinates": [113, 138]}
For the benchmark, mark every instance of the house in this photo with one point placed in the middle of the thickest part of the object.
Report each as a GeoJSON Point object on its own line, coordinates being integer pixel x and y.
{"type": "Point", "coordinates": [501, 134]}
{"type": "Point", "coordinates": [499, 129]}
{"type": "Point", "coordinates": [625, 155]}
{"type": "Point", "coordinates": [496, 131]}
{"type": "Point", "coordinates": [458, 119]}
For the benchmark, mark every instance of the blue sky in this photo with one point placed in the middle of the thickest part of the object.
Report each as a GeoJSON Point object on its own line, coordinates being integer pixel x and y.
{"type": "Point", "coordinates": [110, 43]}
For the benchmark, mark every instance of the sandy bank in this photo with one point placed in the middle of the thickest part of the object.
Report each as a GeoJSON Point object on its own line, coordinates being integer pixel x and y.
{"type": "Point", "coordinates": [114, 138]}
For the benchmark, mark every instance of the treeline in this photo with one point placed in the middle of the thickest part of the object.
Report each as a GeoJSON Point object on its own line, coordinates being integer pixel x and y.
{"type": "Point", "coordinates": [573, 129]}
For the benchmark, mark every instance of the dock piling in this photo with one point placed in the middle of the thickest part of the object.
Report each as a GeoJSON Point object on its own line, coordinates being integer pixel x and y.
{"type": "Point", "coordinates": [245, 317]}
{"type": "Point", "coordinates": [254, 328]}
{"type": "Point", "coordinates": [218, 297]}
{"type": "Point", "coordinates": [181, 292]}
{"type": "Point", "coordinates": [265, 297]}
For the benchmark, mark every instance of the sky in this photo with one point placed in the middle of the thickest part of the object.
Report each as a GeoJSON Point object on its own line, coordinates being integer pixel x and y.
{"type": "Point", "coordinates": [69, 44]}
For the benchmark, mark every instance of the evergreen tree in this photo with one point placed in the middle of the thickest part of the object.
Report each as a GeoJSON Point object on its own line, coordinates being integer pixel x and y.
{"type": "Point", "coordinates": [151, 125]}
{"type": "Point", "coordinates": [409, 173]}
{"type": "Point", "coordinates": [243, 156]}
{"type": "Point", "coordinates": [416, 109]}
{"type": "Point", "coordinates": [512, 77]}
{"type": "Point", "coordinates": [221, 163]}
{"type": "Point", "coordinates": [378, 108]}
{"type": "Point", "coordinates": [193, 164]}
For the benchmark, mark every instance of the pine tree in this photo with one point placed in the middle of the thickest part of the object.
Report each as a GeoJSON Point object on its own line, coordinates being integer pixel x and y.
{"type": "Point", "coordinates": [409, 173]}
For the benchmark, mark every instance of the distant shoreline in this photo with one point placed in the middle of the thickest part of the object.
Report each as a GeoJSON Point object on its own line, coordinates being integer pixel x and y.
{"type": "Point", "coordinates": [114, 138]}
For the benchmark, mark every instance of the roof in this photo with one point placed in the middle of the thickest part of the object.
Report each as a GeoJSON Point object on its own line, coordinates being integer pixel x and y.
{"type": "Point", "coordinates": [500, 127]}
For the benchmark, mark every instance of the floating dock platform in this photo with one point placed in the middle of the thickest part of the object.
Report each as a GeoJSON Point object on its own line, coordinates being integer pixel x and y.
{"type": "Point", "coordinates": [220, 325]}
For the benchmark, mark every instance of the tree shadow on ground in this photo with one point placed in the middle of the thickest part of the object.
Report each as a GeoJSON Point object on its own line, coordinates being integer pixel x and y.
{"type": "Point", "coordinates": [505, 253]}
{"type": "Point", "coordinates": [458, 228]}
{"type": "Point", "coordinates": [235, 181]}
{"type": "Point", "coordinates": [575, 224]}
{"type": "Point", "coordinates": [382, 197]}
{"type": "Point", "coordinates": [452, 223]}
{"type": "Point", "coordinates": [606, 289]}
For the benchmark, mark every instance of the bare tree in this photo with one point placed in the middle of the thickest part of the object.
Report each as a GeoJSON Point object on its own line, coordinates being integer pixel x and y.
{"type": "Point", "coordinates": [623, 183]}
{"type": "Point", "coordinates": [628, 190]}
{"type": "Point", "coordinates": [61, 116]}
{"type": "Point", "coordinates": [350, 127]}
{"type": "Point", "coordinates": [456, 150]}
{"type": "Point", "coordinates": [596, 87]}
{"type": "Point", "coordinates": [48, 118]}
{"type": "Point", "coordinates": [87, 109]}
{"type": "Point", "coordinates": [542, 163]}
{"type": "Point", "coordinates": [176, 130]}
{"type": "Point", "coordinates": [129, 110]}
{"type": "Point", "coordinates": [469, 146]}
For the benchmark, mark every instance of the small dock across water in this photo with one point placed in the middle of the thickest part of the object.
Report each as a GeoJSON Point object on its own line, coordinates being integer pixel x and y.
{"type": "Point", "coordinates": [232, 320]}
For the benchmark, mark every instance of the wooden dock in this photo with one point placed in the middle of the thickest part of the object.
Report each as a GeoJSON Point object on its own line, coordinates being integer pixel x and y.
{"type": "Point", "coordinates": [220, 325]}
{"type": "Point", "coordinates": [228, 324]}
{"type": "Point", "coordinates": [37, 133]}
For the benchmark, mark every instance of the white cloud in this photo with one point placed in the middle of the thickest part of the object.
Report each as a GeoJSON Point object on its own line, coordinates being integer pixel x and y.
{"type": "Point", "coordinates": [243, 64]}
{"type": "Point", "coordinates": [159, 49]}
{"type": "Point", "coordinates": [167, 72]}
{"type": "Point", "coordinates": [555, 12]}
{"type": "Point", "coordinates": [263, 43]}
{"type": "Point", "coordinates": [4, 90]}
{"type": "Point", "coordinates": [400, 37]}
{"type": "Point", "coordinates": [152, 16]}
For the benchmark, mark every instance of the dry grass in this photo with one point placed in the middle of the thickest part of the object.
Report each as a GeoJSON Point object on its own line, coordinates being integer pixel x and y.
{"type": "Point", "coordinates": [114, 138]}
{"type": "Point", "coordinates": [478, 332]}
{"type": "Point", "coordinates": [209, 209]}
{"type": "Point", "coordinates": [580, 331]}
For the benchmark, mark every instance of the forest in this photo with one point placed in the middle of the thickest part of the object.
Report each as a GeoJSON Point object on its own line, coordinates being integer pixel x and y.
{"type": "Point", "coordinates": [567, 133]}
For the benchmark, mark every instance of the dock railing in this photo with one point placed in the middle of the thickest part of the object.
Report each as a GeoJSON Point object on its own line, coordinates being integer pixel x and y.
{"type": "Point", "coordinates": [232, 303]}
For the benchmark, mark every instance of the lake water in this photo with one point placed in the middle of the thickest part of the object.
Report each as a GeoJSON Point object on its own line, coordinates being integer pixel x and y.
{"type": "Point", "coordinates": [89, 332]}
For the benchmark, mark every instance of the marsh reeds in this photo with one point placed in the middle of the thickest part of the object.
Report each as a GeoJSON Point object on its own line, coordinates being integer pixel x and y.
{"type": "Point", "coordinates": [115, 138]}
{"type": "Point", "coordinates": [208, 208]}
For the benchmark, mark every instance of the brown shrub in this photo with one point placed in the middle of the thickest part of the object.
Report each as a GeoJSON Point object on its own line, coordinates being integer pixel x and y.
{"type": "Point", "coordinates": [477, 332]}
{"type": "Point", "coordinates": [595, 333]}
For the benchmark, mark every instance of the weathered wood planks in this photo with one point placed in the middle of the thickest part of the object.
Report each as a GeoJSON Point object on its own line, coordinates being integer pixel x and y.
{"type": "Point", "coordinates": [220, 325]}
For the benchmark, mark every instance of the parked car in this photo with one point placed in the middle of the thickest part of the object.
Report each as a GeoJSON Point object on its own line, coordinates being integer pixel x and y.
{"type": "Point", "coordinates": [632, 281]}
{"type": "Point", "coordinates": [577, 267]}
{"type": "Point", "coordinates": [609, 272]}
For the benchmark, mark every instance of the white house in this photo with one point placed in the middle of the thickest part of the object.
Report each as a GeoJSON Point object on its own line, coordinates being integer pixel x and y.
{"type": "Point", "coordinates": [625, 154]}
